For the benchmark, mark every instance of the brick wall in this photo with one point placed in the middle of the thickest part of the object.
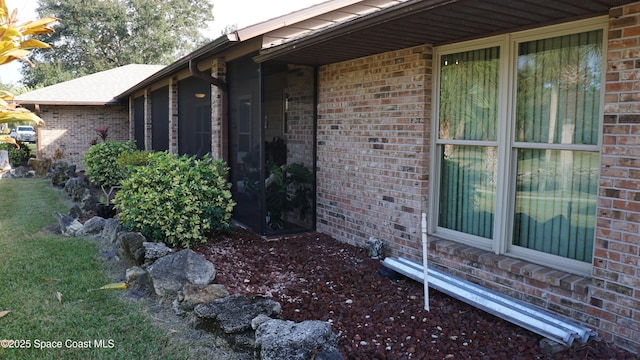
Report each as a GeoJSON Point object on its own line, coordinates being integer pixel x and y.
{"type": "Point", "coordinates": [373, 166]}
{"type": "Point", "coordinates": [615, 295]}
{"type": "Point", "coordinates": [372, 148]}
{"type": "Point", "coordinates": [300, 91]}
{"type": "Point", "coordinates": [71, 129]}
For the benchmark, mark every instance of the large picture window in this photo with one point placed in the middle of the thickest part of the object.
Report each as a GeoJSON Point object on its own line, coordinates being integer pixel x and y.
{"type": "Point", "coordinates": [517, 143]}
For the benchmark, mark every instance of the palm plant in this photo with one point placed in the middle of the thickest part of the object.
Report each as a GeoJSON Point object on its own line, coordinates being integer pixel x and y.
{"type": "Point", "coordinates": [15, 44]}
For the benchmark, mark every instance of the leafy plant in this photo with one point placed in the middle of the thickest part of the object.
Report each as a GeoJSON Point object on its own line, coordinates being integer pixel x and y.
{"type": "Point", "coordinates": [288, 189]}
{"type": "Point", "coordinates": [177, 199]}
{"type": "Point", "coordinates": [15, 44]}
{"type": "Point", "coordinates": [101, 161]}
{"type": "Point", "coordinates": [129, 160]}
{"type": "Point", "coordinates": [17, 155]}
{"type": "Point", "coordinates": [103, 133]}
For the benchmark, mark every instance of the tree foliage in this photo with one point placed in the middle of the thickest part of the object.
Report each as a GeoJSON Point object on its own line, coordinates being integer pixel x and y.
{"type": "Point", "coordinates": [100, 35]}
{"type": "Point", "coordinates": [16, 43]}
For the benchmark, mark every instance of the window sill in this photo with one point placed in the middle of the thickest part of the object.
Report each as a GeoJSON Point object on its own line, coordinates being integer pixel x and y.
{"type": "Point", "coordinates": [504, 268]}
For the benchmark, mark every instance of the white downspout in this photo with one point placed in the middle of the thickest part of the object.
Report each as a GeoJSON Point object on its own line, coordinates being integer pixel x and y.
{"type": "Point", "coordinates": [424, 261]}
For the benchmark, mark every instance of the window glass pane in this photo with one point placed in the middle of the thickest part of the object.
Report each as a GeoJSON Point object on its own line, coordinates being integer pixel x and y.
{"type": "Point", "coordinates": [558, 98]}
{"type": "Point", "coordinates": [555, 203]}
{"type": "Point", "coordinates": [469, 94]}
{"type": "Point", "coordinates": [467, 189]}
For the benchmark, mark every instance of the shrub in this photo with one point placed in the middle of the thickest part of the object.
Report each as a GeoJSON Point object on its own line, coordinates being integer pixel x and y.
{"type": "Point", "coordinates": [17, 156]}
{"type": "Point", "coordinates": [101, 161]}
{"type": "Point", "coordinates": [129, 160]}
{"type": "Point", "coordinates": [177, 199]}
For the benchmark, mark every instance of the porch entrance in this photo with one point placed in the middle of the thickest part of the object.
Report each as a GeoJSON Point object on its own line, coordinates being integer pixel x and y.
{"type": "Point", "coordinates": [271, 145]}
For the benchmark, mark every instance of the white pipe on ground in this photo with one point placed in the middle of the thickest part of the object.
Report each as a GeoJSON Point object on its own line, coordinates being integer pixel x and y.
{"type": "Point", "coordinates": [424, 261]}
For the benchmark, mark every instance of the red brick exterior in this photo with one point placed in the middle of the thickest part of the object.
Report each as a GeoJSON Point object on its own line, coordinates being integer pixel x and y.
{"type": "Point", "coordinates": [615, 292]}
{"type": "Point", "coordinates": [373, 133]}
{"type": "Point", "coordinates": [71, 129]}
{"type": "Point", "coordinates": [373, 148]}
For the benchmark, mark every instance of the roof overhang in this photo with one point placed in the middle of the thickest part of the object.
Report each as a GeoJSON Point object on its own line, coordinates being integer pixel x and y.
{"type": "Point", "coordinates": [270, 33]}
{"type": "Point", "coordinates": [435, 22]}
{"type": "Point", "coordinates": [68, 103]}
{"type": "Point", "coordinates": [216, 46]}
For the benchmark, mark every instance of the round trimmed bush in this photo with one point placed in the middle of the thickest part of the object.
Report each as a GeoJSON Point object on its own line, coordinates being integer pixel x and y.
{"type": "Point", "coordinates": [179, 200]}
{"type": "Point", "coordinates": [101, 161]}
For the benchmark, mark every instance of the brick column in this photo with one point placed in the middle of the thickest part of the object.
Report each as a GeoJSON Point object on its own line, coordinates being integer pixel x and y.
{"type": "Point", "coordinates": [173, 116]}
{"type": "Point", "coordinates": [218, 112]}
{"type": "Point", "coordinates": [148, 120]}
{"type": "Point", "coordinates": [615, 296]}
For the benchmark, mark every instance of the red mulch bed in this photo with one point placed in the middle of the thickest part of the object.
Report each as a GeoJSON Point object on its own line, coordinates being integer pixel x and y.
{"type": "Point", "coordinates": [314, 277]}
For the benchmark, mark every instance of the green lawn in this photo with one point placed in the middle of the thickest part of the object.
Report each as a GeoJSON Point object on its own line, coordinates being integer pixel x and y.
{"type": "Point", "coordinates": [87, 324]}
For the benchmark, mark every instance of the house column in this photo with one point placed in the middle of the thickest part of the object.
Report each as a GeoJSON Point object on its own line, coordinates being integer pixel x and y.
{"type": "Point", "coordinates": [615, 289]}
{"type": "Point", "coordinates": [173, 116]}
{"type": "Point", "coordinates": [132, 114]}
{"type": "Point", "coordinates": [148, 120]}
{"type": "Point", "coordinates": [218, 112]}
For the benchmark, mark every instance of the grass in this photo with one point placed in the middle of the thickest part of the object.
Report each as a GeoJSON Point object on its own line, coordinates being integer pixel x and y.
{"type": "Point", "coordinates": [30, 256]}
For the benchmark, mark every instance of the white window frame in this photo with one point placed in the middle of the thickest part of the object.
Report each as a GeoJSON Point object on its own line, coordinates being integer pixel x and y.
{"type": "Point", "coordinates": [507, 147]}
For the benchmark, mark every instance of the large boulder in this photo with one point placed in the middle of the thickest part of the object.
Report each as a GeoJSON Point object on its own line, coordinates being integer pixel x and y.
{"type": "Point", "coordinates": [68, 225]}
{"type": "Point", "coordinates": [312, 339]}
{"type": "Point", "coordinates": [170, 273]}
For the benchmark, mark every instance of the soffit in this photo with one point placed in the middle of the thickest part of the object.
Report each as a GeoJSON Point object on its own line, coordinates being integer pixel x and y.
{"type": "Point", "coordinates": [436, 22]}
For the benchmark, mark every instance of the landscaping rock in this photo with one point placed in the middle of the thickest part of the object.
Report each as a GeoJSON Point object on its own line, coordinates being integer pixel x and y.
{"type": "Point", "coordinates": [40, 166]}
{"type": "Point", "coordinates": [233, 314]}
{"type": "Point", "coordinates": [19, 172]}
{"type": "Point", "coordinates": [131, 245]}
{"type": "Point", "coordinates": [110, 230]}
{"type": "Point", "coordinates": [78, 190]}
{"type": "Point", "coordinates": [61, 172]}
{"type": "Point", "coordinates": [193, 295]}
{"type": "Point", "coordinates": [138, 281]}
{"type": "Point", "coordinates": [170, 273]}
{"type": "Point", "coordinates": [154, 251]}
{"type": "Point", "coordinates": [4, 160]}
{"type": "Point", "coordinates": [92, 227]}
{"type": "Point", "coordinates": [280, 339]}
{"type": "Point", "coordinates": [75, 212]}
{"type": "Point", "coordinates": [68, 225]}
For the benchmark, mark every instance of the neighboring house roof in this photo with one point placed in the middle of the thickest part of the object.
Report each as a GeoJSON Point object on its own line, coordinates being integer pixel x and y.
{"type": "Point", "coordinates": [96, 89]}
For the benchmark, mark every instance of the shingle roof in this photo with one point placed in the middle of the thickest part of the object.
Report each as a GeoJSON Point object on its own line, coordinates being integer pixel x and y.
{"type": "Point", "coordinates": [96, 89]}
